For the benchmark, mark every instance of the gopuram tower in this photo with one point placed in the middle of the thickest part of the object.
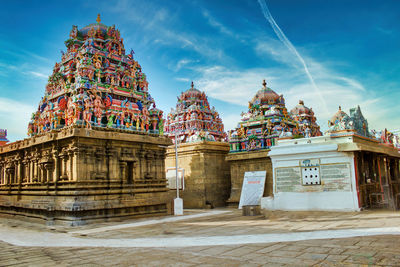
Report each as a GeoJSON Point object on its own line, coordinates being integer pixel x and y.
{"type": "Point", "coordinates": [193, 119]}
{"type": "Point", "coordinates": [95, 150]}
{"type": "Point", "coordinates": [201, 150]}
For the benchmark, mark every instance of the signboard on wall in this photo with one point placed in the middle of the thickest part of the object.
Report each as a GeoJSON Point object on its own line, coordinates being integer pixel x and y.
{"type": "Point", "coordinates": [252, 188]}
{"type": "Point", "coordinates": [171, 178]}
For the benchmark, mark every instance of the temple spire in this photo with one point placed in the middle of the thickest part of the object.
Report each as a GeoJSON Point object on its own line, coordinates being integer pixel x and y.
{"type": "Point", "coordinates": [98, 18]}
{"type": "Point", "coordinates": [192, 85]}
{"type": "Point", "coordinates": [264, 84]}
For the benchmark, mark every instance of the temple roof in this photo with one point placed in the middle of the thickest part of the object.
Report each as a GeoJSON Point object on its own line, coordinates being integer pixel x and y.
{"type": "Point", "coordinates": [339, 115]}
{"type": "Point", "coordinates": [191, 93]}
{"type": "Point", "coordinates": [300, 109]}
{"type": "Point", "coordinates": [265, 95]}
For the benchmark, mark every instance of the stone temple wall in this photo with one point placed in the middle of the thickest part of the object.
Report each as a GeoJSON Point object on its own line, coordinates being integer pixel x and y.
{"type": "Point", "coordinates": [75, 175]}
{"type": "Point", "coordinates": [207, 178]}
{"type": "Point", "coordinates": [245, 162]}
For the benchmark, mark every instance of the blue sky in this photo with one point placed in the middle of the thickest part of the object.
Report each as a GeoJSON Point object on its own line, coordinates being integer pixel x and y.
{"type": "Point", "coordinates": [331, 53]}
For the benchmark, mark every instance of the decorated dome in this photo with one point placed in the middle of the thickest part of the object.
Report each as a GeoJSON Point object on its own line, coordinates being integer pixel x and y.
{"type": "Point", "coordinates": [96, 85]}
{"type": "Point", "coordinates": [193, 120]}
{"type": "Point", "coordinates": [341, 123]}
{"type": "Point", "coordinates": [300, 109]}
{"type": "Point", "coordinates": [266, 96]}
{"type": "Point", "coordinates": [339, 115]}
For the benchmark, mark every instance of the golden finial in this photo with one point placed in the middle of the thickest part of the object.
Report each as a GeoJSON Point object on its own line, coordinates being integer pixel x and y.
{"type": "Point", "coordinates": [98, 18]}
{"type": "Point", "coordinates": [192, 85]}
{"type": "Point", "coordinates": [340, 108]}
{"type": "Point", "coordinates": [264, 84]}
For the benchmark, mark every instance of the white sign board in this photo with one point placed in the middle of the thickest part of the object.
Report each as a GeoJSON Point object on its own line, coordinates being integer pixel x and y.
{"type": "Point", "coordinates": [171, 178]}
{"type": "Point", "coordinates": [253, 188]}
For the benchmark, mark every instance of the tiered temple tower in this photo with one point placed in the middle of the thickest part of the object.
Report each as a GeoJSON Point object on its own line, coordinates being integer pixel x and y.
{"type": "Point", "coordinates": [307, 122]}
{"type": "Point", "coordinates": [95, 151]}
{"type": "Point", "coordinates": [193, 119]}
{"type": "Point", "coordinates": [266, 120]}
{"type": "Point", "coordinates": [97, 85]}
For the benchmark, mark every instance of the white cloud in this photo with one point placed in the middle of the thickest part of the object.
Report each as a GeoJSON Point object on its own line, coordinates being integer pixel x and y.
{"type": "Point", "coordinates": [181, 79]}
{"type": "Point", "coordinates": [38, 74]}
{"type": "Point", "coordinates": [15, 116]}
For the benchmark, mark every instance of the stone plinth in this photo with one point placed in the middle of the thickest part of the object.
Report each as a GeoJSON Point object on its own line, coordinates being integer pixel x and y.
{"type": "Point", "coordinates": [76, 175]}
{"type": "Point", "coordinates": [207, 179]}
{"type": "Point", "coordinates": [245, 162]}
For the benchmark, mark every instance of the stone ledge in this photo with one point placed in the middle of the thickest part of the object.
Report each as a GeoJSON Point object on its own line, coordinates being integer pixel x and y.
{"type": "Point", "coordinates": [247, 155]}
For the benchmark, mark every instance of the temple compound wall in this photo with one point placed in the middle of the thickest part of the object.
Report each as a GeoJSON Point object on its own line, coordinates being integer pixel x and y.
{"type": "Point", "coordinates": [341, 173]}
{"type": "Point", "coordinates": [207, 175]}
{"type": "Point", "coordinates": [246, 162]}
{"type": "Point", "coordinates": [75, 175]}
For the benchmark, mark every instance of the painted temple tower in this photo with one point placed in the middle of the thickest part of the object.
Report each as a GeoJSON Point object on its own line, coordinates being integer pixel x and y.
{"type": "Point", "coordinates": [194, 119]}
{"type": "Point", "coordinates": [96, 84]}
{"type": "Point", "coordinates": [342, 124]}
{"type": "Point", "coordinates": [266, 120]}
{"type": "Point", "coordinates": [3, 137]}
{"type": "Point", "coordinates": [307, 122]}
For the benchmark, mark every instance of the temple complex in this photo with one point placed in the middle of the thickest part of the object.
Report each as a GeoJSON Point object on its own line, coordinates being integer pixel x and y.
{"type": "Point", "coordinates": [95, 151]}
{"type": "Point", "coordinates": [3, 137]}
{"type": "Point", "coordinates": [201, 150]}
{"type": "Point", "coordinates": [193, 119]}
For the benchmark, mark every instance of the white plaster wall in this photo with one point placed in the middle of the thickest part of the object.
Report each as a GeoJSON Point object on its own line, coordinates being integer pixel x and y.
{"type": "Point", "coordinates": [290, 156]}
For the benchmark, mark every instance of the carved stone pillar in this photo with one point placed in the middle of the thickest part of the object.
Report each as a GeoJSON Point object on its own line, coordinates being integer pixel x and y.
{"type": "Point", "coordinates": [71, 165]}
{"type": "Point", "coordinates": [142, 164]}
{"type": "Point", "coordinates": [123, 171]}
{"type": "Point", "coordinates": [64, 160]}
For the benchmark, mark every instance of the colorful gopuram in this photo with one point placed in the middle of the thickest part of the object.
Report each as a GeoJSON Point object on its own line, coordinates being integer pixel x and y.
{"type": "Point", "coordinates": [96, 85]}
{"type": "Point", "coordinates": [193, 119]}
{"type": "Point", "coordinates": [3, 137]}
{"type": "Point", "coordinates": [307, 122]}
{"type": "Point", "coordinates": [266, 120]}
{"type": "Point", "coordinates": [95, 151]}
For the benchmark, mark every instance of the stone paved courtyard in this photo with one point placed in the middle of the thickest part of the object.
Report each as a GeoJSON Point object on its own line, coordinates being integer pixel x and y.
{"type": "Point", "coordinates": [124, 243]}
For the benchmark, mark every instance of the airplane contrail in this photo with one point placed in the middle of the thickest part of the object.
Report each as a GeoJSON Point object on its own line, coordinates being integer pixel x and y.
{"type": "Point", "coordinates": [290, 46]}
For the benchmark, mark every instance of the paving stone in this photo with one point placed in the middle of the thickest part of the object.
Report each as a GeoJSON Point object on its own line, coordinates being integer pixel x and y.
{"type": "Point", "coordinates": [270, 248]}
{"type": "Point", "coordinates": [282, 253]}
{"type": "Point", "coordinates": [312, 256]}
{"type": "Point", "coordinates": [336, 257]}
{"type": "Point", "coordinates": [317, 250]}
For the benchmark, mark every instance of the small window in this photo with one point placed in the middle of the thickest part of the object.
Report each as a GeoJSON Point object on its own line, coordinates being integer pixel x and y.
{"type": "Point", "coordinates": [310, 176]}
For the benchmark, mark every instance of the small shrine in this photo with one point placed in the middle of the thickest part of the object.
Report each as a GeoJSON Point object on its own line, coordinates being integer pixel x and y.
{"type": "Point", "coordinates": [307, 122]}
{"type": "Point", "coordinates": [266, 120]}
{"type": "Point", "coordinates": [3, 137]}
{"type": "Point", "coordinates": [96, 85]}
{"type": "Point", "coordinates": [193, 119]}
{"type": "Point", "coordinates": [201, 151]}
{"type": "Point", "coordinates": [343, 124]}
